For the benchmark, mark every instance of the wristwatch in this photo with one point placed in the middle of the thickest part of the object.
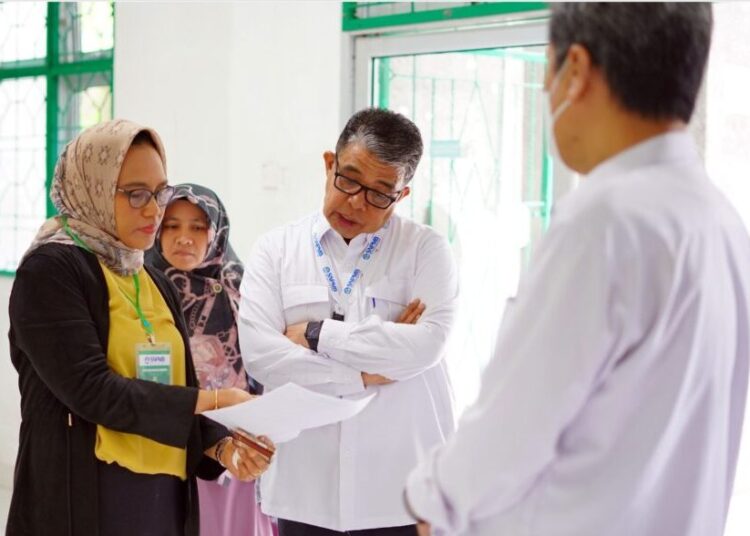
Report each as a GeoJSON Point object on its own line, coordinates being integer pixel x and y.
{"type": "Point", "coordinates": [312, 334]}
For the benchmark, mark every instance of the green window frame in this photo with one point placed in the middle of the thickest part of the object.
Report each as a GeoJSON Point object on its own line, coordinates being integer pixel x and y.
{"type": "Point", "coordinates": [70, 74]}
{"type": "Point", "coordinates": [358, 16]}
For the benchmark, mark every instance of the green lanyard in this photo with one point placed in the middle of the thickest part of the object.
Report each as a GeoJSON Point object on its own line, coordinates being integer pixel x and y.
{"type": "Point", "coordinates": [136, 303]}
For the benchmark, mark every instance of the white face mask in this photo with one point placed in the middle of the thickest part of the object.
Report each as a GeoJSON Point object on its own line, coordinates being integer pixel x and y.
{"type": "Point", "coordinates": [551, 116]}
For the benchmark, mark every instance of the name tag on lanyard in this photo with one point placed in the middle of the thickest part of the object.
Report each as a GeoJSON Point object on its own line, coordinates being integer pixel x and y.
{"type": "Point", "coordinates": [341, 296]}
{"type": "Point", "coordinates": [154, 362]}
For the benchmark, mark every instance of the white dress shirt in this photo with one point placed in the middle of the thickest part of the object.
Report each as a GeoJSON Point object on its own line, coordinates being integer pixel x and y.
{"type": "Point", "coordinates": [614, 401]}
{"type": "Point", "coordinates": [350, 476]}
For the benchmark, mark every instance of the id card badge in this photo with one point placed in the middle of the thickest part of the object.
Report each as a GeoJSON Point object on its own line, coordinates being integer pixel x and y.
{"type": "Point", "coordinates": [154, 362]}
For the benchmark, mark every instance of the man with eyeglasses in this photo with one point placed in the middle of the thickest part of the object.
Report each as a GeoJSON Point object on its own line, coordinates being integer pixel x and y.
{"type": "Point", "coordinates": [349, 301]}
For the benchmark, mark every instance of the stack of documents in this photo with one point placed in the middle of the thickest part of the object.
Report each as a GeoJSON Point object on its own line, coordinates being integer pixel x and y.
{"type": "Point", "coordinates": [283, 413]}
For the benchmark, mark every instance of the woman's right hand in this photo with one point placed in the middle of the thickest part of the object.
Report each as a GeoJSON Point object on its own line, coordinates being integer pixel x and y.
{"type": "Point", "coordinates": [221, 398]}
{"type": "Point", "coordinates": [244, 462]}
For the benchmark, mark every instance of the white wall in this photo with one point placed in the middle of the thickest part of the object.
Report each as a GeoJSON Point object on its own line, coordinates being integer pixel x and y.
{"type": "Point", "coordinates": [246, 97]}
{"type": "Point", "coordinates": [172, 73]}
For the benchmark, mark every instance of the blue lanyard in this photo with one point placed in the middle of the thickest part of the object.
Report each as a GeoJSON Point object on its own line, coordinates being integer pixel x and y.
{"type": "Point", "coordinates": [329, 271]}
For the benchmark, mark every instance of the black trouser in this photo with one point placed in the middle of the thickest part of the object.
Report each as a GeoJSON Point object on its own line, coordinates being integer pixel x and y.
{"type": "Point", "coordinates": [293, 528]}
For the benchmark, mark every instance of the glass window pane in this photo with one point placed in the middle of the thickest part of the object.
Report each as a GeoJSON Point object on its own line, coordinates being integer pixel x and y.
{"type": "Point", "coordinates": [84, 100]}
{"type": "Point", "coordinates": [22, 166]}
{"type": "Point", "coordinates": [483, 174]}
{"type": "Point", "coordinates": [378, 9]}
{"type": "Point", "coordinates": [86, 30]}
{"type": "Point", "coordinates": [23, 33]}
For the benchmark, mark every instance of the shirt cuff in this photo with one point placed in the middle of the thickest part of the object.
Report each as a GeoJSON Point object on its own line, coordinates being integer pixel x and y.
{"type": "Point", "coordinates": [349, 382]}
{"type": "Point", "coordinates": [333, 335]}
{"type": "Point", "coordinates": [424, 498]}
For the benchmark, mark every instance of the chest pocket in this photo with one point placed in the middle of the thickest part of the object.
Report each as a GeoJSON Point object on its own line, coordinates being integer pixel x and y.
{"type": "Point", "coordinates": [305, 303]}
{"type": "Point", "coordinates": [388, 298]}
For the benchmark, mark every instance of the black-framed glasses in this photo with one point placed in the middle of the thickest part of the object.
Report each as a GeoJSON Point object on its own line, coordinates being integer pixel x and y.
{"type": "Point", "coordinates": [373, 197]}
{"type": "Point", "coordinates": [140, 197]}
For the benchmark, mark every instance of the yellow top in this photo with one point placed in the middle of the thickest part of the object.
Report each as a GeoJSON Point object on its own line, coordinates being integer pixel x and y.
{"type": "Point", "coordinates": [135, 452]}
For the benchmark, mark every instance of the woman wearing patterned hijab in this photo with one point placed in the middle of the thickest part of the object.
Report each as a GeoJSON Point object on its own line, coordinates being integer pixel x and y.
{"type": "Point", "coordinates": [193, 250]}
{"type": "Point", "coordinates": [111, 438]}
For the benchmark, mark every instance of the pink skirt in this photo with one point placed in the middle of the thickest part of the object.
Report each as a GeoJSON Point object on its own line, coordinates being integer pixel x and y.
{"type": "Point", "coordinates": [231, 510]}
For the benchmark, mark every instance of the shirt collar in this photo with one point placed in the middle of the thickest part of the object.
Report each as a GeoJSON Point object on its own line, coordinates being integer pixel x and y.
{"type": "Point", "coordinates": [665, 148]}
{"type": "Point", "coordinates": [322, 227]}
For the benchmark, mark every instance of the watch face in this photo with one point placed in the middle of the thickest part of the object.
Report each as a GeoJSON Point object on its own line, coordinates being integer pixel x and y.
{"type": "Point", "coordinates": [337, 316]}
{"type": "Point", "coordinates": [312, 333]}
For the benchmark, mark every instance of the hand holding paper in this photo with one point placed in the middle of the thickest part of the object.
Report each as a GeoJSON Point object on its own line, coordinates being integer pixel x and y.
{"type": "Point", "coordinates": [283, 413]}
{"type": "Point", "coordinates": [246, 463]}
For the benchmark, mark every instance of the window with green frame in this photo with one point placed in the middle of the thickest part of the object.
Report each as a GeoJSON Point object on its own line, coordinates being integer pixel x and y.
{"type": "Point", "coordinates": [443, 92]}
{"type": "Point", "coordinates": [362, 16]}
{"type": "Point", "coordinates": [55, 80]}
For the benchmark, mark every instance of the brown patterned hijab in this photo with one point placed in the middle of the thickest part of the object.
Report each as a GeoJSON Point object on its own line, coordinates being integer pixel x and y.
{"type": "Point", "coordinates": [84, 188]}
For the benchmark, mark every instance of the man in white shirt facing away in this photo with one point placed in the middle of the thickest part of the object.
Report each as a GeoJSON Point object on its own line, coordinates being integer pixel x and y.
{"type": "Point", "coordinates": [614, 402]}
{"type": "Point", "coordinates": [349, 301]}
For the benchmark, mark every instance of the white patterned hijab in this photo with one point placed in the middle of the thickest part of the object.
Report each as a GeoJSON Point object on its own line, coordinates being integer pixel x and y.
{"type": "Point", "coordinates": [84, 188]}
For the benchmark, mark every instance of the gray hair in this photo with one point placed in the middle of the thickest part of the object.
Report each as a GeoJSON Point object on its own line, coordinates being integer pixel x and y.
{"type": "Point", "coordinates": [389, 136]}
{"type": "Point", "coordinates": [652, 55]}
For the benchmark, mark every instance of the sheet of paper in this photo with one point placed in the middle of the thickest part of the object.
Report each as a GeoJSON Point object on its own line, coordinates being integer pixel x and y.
{"type": "Point", "coordinates": [283, 413]}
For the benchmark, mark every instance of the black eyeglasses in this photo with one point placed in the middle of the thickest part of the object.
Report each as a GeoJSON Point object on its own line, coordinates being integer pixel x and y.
{"type": "Point", "coordinates": [140, 197]}
{"type": "Point", "coordinates": [352, 187]}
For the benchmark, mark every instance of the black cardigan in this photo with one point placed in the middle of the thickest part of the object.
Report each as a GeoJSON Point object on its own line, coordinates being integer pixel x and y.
{"type": "Point", "coordinates": [59, 328]}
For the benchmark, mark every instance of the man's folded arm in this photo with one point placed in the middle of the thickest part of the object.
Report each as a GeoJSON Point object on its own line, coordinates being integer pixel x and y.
{"type": "Point", "coordinates": [268, 355]}
{"type": "Point", "coordinates": [402, 351]}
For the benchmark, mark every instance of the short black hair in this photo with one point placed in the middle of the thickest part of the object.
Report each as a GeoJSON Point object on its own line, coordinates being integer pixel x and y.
{"type": "Point", "coordinates": [390, 136]}
{"type": "Point", "coordinates": [652, 55]}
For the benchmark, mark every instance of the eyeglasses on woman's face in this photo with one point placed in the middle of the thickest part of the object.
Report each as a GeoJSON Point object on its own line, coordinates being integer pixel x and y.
{"type": "Point", "coordinates": [140, 197]}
